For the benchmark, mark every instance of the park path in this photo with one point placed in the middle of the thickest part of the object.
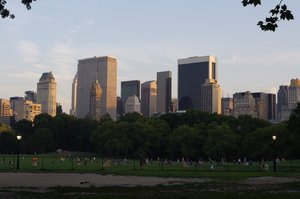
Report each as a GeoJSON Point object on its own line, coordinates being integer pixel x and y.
{"type": "Point", "coordinates": [45, 180]}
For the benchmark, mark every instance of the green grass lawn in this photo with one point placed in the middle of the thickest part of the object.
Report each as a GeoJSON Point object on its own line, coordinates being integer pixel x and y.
{"type": "Point", "coordinates": [87, 163]}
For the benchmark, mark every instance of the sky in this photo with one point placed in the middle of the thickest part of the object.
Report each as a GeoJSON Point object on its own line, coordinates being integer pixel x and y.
{"type": "Point", "coordinates": [146, 37]}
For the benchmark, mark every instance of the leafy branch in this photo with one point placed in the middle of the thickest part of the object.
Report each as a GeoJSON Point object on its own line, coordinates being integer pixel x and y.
{"type": "Point", "coordinates": [280, 12]}
{"type": "Point", "coordinates": [4, 12]}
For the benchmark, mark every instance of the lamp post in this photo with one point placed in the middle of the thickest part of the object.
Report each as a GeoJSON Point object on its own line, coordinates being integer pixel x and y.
{"type": "Point", "coordinates": [19, 137]}
{"type": "Point", "coordinates": [274, 153]}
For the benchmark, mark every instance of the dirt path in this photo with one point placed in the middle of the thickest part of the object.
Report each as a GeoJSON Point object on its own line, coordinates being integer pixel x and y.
{"type": "Point", "coordinates": [40, 182]}
{"type": "Point", "coordinates": [45, 180]}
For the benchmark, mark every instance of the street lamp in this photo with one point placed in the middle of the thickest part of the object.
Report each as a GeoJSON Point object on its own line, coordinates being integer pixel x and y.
{"type": "Point", "coordinates": [274, 153]}
{"type": "Point", "coordinates": [19, 137]}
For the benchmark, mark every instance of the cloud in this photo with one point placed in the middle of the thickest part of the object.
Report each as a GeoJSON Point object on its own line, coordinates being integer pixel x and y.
{"type": "Point", "coordinates": [24, 75]}
{"type": "Point", "coordinates": [29, 51]}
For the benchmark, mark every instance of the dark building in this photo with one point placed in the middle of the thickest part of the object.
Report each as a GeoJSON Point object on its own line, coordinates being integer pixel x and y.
{"type": "Point", "coordinates": [164, 92]}
{"type": "Point", "coordinates": [192, 74]}
{"type": "Point", "coordinates": [95, 100]}
{"type": "Point", "coordinates": [148, 101]}
{"type": "Point", "coordinates": [282, 102]}
{"type": "Point", "coordinates": [227, 106]}
{"type": "Point", "coordinates": [119, 107]}
{"type": "Point", "coordinates": [128, 89]}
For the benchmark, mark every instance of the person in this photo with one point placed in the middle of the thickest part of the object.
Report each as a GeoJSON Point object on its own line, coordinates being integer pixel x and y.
{"type": "Point", "coordinates": [211, 167]}
{"type": "Point", "coordinates": [34, 161]}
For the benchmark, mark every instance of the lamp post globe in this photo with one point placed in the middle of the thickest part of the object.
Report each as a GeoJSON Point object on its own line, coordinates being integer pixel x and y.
{"type": "Point", "coordinates": [19, 137]}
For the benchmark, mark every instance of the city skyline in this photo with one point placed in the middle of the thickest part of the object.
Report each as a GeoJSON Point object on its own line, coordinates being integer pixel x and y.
{"type": "Point", "coordinates": [54, 40]}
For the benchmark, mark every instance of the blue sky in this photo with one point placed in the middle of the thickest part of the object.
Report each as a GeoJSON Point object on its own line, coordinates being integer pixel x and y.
{"type": "Point", "coordinates": [146, 37]}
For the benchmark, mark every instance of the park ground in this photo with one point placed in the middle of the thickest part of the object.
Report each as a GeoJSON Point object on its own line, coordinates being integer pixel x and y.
{"type": "Point", "coordinates": [90, 185]}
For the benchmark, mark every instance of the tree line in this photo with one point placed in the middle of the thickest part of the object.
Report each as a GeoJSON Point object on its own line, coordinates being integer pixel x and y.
{"type": "Point", "coordinates": [192, 135]}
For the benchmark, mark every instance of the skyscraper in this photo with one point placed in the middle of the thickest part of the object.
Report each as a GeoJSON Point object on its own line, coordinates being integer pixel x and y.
{"type": "Point", "coordinates": [105, 70]}
{"type": "Point", "coordinates": [259, 105]}
{"type": "Point", "coordinates": [294, 94]}
{"type": "Point", "coordinates": [95, 100]}
{"type": "Point", "coordinates": [5, 112]}
{"type": "Point", "coordinates": [282, 103]}
{"type": "Point", "coordinates": [128, 89]}
{"type": "Point", "coordinates": [192, 74]}
{"type": "Point", "coordinates": [211, 97]}
{"type": "Point", "coordinates": [227, 106]}
{"type": "Point", "coordinates": [74, 95]}
{"type": "Point", "coordinates": [244, 104]}
{"type": "Point", "coordinates": [46, 93]}
{"type": "Point", "coordinates": [133, 104]}
{"type": "Point", "coordinates": [164, 92]}
{"type": "Point", "coordinates": [31, 110]}
{"type": "Point", "coordinates": [288, 97]}
{"type": "Point", "coordinates": [17, 106]}
{"type": "Point", "coordinates": [148, 101]}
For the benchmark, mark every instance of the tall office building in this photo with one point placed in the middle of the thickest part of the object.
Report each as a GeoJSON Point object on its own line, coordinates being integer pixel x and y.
{"type": "Point", "coordinates": [46, 93]}
{"type": "Point", "coordinates": [192, 73]}
{"type": "Point", "coordinates": [259, 105]}
{"type": "Point", "coordinates": [31, 96]}
{"type": "Point", "coordinates": [294, 94]}
{"type": "Point", "coordinates": [128, 89]}
{"type": "Point", "coordinates": [227, 106]}
{"type": "Point", "coordinates": [244, 104]}
{"type": "Point", "coordinates": [148, 101]}
{"type": "Point", "coordinates": [95, 100]}
{"type": "Point", "coordinates": [119, 107]}
{"type": "Point", "coordinates": [288, 97]}
{"type": "Point", "coordinates": [74, 95]}
{"type": "Point", "coordinates": [105, 70]}
{"type": "Point", "coordinates": [174, 107]}
{"type": "Point", "coordinates": [5, 111]}
{"type": "Point", "coordinates": [164, 92]}
{"type": "Point", "coordinates": [282, 103]}
{"type": "Point", "coordinates": [132, 104]}
{"type": "Point", "coordinates": [211, 97]}
{"type": "Point", "coordinates": [17, 106]}
{"type": "Point", "coordinates": [31, 110]}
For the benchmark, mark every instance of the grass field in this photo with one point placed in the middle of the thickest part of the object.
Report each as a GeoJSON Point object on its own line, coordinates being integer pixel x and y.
{"type": "Point", "coordinates": [228, 178]}
{"type": "Point", "coordinates": [88, 163]}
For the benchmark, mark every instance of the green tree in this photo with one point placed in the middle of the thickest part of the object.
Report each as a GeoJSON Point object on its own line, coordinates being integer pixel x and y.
{"type": "Point", "coordinates": [43, 120]}
{"type": "Point", "coordinates": [221, 142]}
{"type": "Point", "coordinates": [294, 127]}
{"type": "Point", "coordinates": [186, 142]}
{"type": "Point", "coordinates": [8, 142]}
{"type": "Point", "coordinates": [24, 128]}
{"type": "Point", "coordinates": [43, 140]}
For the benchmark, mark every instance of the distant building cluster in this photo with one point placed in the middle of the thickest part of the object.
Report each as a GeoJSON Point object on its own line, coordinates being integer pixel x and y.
{"type": "Point", "coordinates": [32, 104]}
{"type": "Point", "coordinates": [94, 94]}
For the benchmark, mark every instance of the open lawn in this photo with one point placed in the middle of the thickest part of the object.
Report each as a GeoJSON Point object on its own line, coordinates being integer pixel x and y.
{"type": "Point", "coordinates": [226, 180]}
{"type": "Point", "coordinates": [87, 163]}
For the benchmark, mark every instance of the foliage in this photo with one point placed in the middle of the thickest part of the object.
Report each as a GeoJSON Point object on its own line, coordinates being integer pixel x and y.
{"type": "Point", "coordinates": [280, 12]}
{"type": "Point", "coordinates": [4, 12]}
{"type": "Point", "coordinates": [8, 142]}
{"type": "Point", "coordinates": [193, 135]}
